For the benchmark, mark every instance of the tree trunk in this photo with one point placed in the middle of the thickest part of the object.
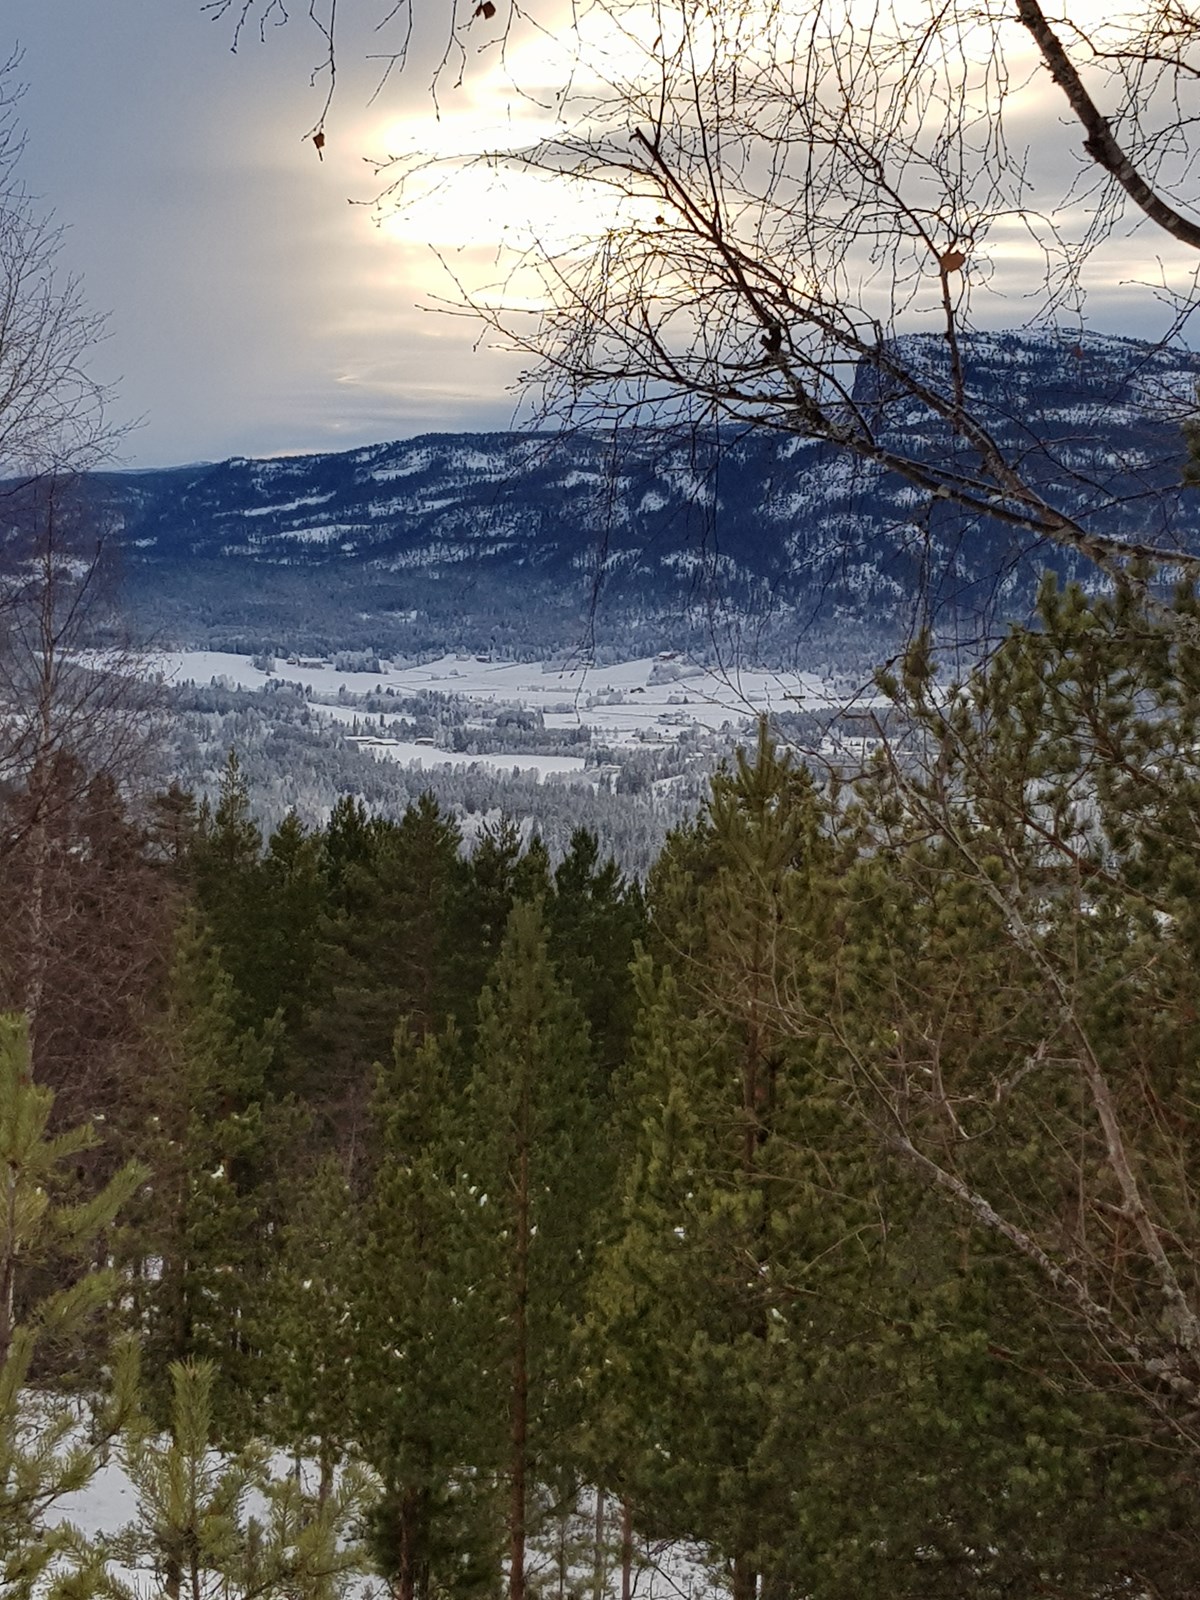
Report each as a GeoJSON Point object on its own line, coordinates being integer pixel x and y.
{"type": "Point", "coordinates": [37, 955]}
{"type": "Point", "coordinates": [8, 1266]}
{"type": "Point", "coordinates": [408, 1545]}
{"type": "Point", "coordinates": [520, 1370]}
{"type": "Point", "coordinates": [599, 1564]}
{"type": "Point", "coordinates": [325, 1482]}
{"type": "Point", "coordinates": [626, 1551]}
{"type": "Point", "coordinates": [745, 1579]}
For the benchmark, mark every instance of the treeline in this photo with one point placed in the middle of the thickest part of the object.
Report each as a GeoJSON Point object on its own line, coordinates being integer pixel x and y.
{"type": "Point", "coordinates": [209, 605]}
{"type": "Point", "coordinates": [828, 1201]}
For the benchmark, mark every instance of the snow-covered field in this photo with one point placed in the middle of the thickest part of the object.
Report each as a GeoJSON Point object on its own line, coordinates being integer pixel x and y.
{"type": "Point", "coordinates": [426, 756]}
{"type": "Point", "coordinates": [653, 699]}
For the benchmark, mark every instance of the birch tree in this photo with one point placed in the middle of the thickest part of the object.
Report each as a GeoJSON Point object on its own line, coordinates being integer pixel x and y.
{"type": "Point", "coordinates": [65, 718]}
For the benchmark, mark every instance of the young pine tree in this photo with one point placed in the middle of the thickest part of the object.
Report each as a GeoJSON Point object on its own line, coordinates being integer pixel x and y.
{"type": "Point", "coordinates": [44, 1453]}
{"type": "Point", "coordinates": [196, 1531]}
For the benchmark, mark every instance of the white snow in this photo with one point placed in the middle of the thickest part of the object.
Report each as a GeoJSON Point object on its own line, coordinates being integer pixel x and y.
{"type": "Point", "coordinates": [287, 505]}
{"type": "Point", "coordinates": [428, 756]}
{"type": "Point", "coordinates": [661, 1570]}
{"type": "Point", "coordinates": [621, 703]}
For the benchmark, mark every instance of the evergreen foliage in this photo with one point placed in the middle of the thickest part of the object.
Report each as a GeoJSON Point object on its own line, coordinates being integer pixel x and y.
{"type": "Point", "coordinates": [226, 868]}
{"type": "Point", "coordinates": [198, 1235]}
{"type": "Point", "coordinates": [422, 1368]}
{"type": "Point", "coordinates": [843, 1229]}
{"type": "Point", "coordinates": [533, 1159]}
{"type": "Point", "coordinates": [304, 1320]}
{"type": "Point", "coordinates": [196, 1532]}
{"type": "Point", "coordinates": [48, 1447]}
{"type": "Point", "coordinates": [737, 1222]}
{"type": "Point", "coordinates": [594, 918]}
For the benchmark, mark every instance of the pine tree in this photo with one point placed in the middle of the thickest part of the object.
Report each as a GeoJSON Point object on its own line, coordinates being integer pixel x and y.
{"type": "Point", "coordinates": [390, 951]}
{"type": "Point", "coordinates": [348, 842]}
{"type": "Point", "coordinates": [594, 920]}
{"type": "Point", "coordinates": [226, 870]}
{"type": "Point", "coordinates": [199, 1234]}
{"type": "Point", "coordinates": [736, 1188]}
{"type": "Point", "coordinates": [293, 899]}
{"type": "Point", "coordinates": [1018, 939]}
{"type": "Point", "coordinates": [532, 1151]}
{"type": "Point", "coordinates": [501, 873]}
{"type": "Point", "coordinates": [194, 1529]}
{"type": "Point", "coordinates": [305, 1321]}
{"type": "Point", "coordinates": [44, 1454]}
{"type": "Point", "coordinates": [421, 1372]}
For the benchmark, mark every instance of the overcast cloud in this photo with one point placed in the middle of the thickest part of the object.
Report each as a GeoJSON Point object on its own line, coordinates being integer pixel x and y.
{"type": "Point", "coordinates": [253, 309]}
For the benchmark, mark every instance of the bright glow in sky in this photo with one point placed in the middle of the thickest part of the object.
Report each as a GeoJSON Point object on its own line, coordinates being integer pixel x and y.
{"type": "Point", "coordinates": [253, 309]}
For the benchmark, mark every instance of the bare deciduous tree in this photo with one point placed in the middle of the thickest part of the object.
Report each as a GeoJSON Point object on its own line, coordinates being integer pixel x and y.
{"type": "Point", "coordinates": [783, 192]}
{"type": "Point", "coordinates": [52, 410]}
{"type": "Point", "coordinates": [385, 28]}
{"type": "Point", "coordinates": [69, 719]}
{"type": "Point", "coordinates": [779, 191]}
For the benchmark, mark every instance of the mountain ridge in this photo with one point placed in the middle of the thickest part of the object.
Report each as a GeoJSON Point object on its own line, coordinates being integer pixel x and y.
{"type": "Point", "coordinates": [523, 540]}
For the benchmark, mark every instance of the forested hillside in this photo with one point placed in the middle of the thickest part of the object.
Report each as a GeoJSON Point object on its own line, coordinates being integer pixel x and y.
{"type": "Point", "coordinates": [710, 539]}
{"type": "Point", "coordinates": [825, 1202]}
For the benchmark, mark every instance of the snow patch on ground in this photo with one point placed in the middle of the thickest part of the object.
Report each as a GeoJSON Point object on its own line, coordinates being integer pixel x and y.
{"type": "Point", "coordinates": [661, 1570]}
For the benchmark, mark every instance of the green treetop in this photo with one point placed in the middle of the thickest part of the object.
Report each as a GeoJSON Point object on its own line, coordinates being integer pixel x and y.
{"type": "Point", "coordinates": [46, 1234]}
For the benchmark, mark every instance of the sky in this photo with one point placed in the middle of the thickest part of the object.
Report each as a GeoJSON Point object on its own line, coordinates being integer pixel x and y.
{"type": "Point", "coordinates": [256, 304]}
{"type": "Point", "coordinates": [253, 309]}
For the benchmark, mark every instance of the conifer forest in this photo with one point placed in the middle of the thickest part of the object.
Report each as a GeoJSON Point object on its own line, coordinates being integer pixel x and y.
{"type": "Point", "coordinates": [769, 1175]}
{"type": "Point", "coordinates": [471, 1224]}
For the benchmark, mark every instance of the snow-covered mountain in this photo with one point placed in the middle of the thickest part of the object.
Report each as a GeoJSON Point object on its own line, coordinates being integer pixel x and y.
{"type": "Point", "coordinates": [512, 541]}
